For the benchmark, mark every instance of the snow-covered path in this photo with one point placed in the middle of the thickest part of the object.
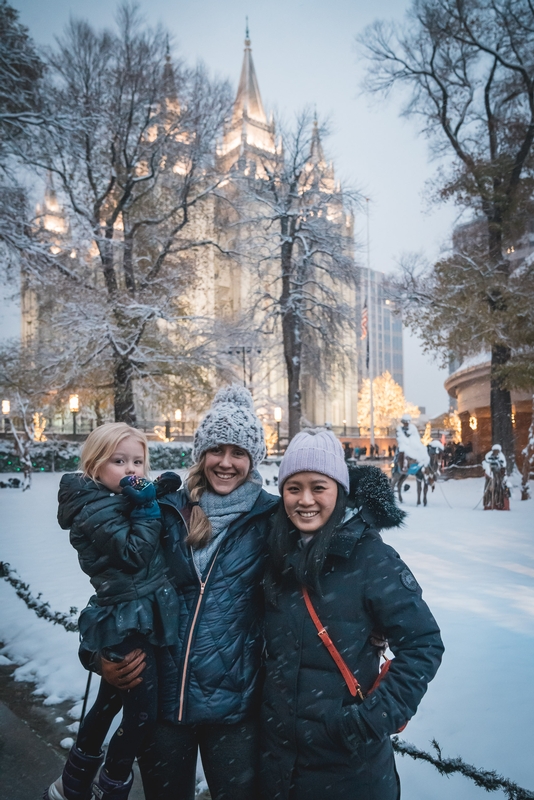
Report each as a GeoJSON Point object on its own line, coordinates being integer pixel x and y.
{"type": "Point", "coordinates": [477, 571]}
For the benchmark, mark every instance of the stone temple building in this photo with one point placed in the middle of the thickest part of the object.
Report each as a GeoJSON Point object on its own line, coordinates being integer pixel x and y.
{"type": "Point", "coordinates": [228, 288]}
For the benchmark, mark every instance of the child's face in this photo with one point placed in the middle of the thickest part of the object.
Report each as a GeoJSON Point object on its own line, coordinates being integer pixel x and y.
{"type": "Point", "coordinates": [128, 459]}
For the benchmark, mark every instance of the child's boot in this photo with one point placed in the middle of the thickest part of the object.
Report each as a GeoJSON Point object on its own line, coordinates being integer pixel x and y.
{"type": "Point", "coordinates": [106, 789]}
{"type": "Point", "coordinates": [78, 774]}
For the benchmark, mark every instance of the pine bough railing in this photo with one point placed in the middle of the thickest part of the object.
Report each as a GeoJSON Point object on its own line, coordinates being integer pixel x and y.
{"type": "Point", "coordinates": [486, 779]}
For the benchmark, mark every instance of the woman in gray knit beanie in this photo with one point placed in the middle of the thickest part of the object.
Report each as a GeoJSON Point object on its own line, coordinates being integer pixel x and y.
{"type": "Point", "coordinates": [215, 532]}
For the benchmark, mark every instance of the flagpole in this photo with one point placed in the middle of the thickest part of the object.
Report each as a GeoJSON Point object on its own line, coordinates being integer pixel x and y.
{"type": "Point", "coordinates": [369, 318]}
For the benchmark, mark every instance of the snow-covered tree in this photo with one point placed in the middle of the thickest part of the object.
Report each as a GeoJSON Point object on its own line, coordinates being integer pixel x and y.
{"type": "Point", "coordinates": [20, 71]}
{"type": "Point", "coordinates": [131, 167]}
{"type": "Point", "coordinates": [469, 71]}
{"type": "Point", "coordinates": [299, 228]}
{"type": "Point", "coordinates": [389, 403]}
{"type": "Point", "coordinates": [33, 382]}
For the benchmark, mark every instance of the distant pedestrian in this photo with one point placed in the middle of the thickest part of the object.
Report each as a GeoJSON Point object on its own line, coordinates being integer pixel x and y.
{"type": "Point", "coordinates": [114, 520]}
{"type": "Point", "coordinates": [496, 488]}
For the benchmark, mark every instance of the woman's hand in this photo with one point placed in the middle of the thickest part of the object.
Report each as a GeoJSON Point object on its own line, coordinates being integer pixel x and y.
{"type": "Point", "coordinates": [124, 674]}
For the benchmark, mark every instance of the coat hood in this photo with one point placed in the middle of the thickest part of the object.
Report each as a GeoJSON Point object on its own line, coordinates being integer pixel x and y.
{"type": "Point", "coordinates": [371, 493]}
{"type": "Point", "coordinates": [75, 491]}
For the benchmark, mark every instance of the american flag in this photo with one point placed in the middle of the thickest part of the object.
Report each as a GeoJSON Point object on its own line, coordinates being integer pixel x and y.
{"type": "Point", "coordinates": [365, 319]}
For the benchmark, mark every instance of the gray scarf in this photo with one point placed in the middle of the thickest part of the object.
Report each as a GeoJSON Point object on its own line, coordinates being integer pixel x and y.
{"type": "Point", "coordinates": [222, 510]}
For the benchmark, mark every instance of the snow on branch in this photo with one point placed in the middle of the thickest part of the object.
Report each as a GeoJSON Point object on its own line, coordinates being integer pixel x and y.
{"type": "Point", "coordinates": [36, 604]}
{"type": "Point", "coordinates": [489, 780]}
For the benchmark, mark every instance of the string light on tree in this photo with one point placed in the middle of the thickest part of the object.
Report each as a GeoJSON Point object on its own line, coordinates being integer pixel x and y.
{"type": "Point", "coordinates": [389, 403]}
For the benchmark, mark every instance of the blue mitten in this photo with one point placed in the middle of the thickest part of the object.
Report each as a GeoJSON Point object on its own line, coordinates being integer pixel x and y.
{"type": "Point", "coordinates": [142, 494]}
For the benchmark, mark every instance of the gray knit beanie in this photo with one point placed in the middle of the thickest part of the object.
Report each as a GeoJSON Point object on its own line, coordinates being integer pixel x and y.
{"type": "Point", "coordinates": [231, 420]}
{"type": "Point", "coordinates": [315, 451]}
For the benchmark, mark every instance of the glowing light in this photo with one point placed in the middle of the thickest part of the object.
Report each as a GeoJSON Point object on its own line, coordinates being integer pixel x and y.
{"type": "Point", "coordinates": [6, 406]}
{"type": "Point", "coordinates": [178, 415]}
{"type": "Point", "coordinates": [74, 403]}
{"type": "Point", "coordinates": [278, 414]}
{"type": "Point", "coordinates": [55, 249]}
{"type": "Point", "coordinates": [473, 423]}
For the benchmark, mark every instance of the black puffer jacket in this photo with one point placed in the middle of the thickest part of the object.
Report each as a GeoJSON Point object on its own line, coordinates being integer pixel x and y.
{"type": "Point", "coordinates": [365, 589]}
{"type": "Point", "coordinates": [120, 554]}
{"type": "Point", "coordinates": [212, 676]}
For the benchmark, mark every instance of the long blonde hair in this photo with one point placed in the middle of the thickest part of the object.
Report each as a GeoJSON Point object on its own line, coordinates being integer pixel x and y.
{"type": "Point", "coordinates": [199, 524]}
{"type": "Point", "coordinates": [102, 443]}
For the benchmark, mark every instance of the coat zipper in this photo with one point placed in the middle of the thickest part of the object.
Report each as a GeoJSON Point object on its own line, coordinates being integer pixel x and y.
{"type": "Point", "coordinates": [190, 637]}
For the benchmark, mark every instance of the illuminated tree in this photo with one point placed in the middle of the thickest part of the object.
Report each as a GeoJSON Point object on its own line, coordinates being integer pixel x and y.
{"type": "Point", "coordinates": [389, 403]}
{"type": "Point", "coordinates": [453, 423]}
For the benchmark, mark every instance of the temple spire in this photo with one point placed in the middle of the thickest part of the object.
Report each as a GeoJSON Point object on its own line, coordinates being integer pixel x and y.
{"type": "Point", "coordinates": [316, 149]}
{"type": "Point", "coordinates": [248, 99]}
{"type": "Point", "coordinates": [169, 83]}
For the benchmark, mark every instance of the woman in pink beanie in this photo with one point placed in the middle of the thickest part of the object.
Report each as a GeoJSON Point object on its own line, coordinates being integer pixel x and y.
{"type": "Point", "coordinates": [336, 597]}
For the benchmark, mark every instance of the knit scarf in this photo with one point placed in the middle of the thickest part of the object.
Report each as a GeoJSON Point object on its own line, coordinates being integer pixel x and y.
{"type": "Point", "coordinates": [222, 510]}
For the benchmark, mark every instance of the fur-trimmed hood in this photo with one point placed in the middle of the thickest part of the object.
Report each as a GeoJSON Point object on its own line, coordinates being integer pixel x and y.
{"type": "Point", "coordinates": [371, 493]}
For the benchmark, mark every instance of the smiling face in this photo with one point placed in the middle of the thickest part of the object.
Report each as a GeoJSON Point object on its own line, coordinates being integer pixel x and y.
{"type": "Point", "coordinates": [128, 459]}
{"type": "Point", "coordinates": [309, 500]}
{"type": "Point", "coordinates": [227, 466]}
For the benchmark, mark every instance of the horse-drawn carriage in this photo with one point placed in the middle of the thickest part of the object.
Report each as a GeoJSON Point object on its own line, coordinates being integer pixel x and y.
{"type": "Point", "coordinates": [426, 474]}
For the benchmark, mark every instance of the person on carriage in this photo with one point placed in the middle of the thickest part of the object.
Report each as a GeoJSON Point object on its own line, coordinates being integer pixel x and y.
{"type": "Point", "coordinates": [409, 446]}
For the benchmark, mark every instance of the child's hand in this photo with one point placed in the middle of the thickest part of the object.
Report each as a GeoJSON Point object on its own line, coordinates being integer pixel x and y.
{"type": "Point", "coordinates": [166, 483]}
{"type": "Point", "coordinates": [138, 490]}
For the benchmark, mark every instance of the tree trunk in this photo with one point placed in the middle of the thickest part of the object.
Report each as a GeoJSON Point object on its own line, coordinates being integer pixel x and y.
{"type": "Point", "coordinates": [500, 401]}
{"type": "Point", "coordinates": [528, 459]}
{"type": "Point", "coordinates": [23, 445]}
{"type": "Point", "coordinates": [292, 355]}
{"type": "Point", "coordinates": [290, 334]}
{"type": "Point", "coordinates": [123, 393]}
{"type": "Point", "coordinates": [501, 408]}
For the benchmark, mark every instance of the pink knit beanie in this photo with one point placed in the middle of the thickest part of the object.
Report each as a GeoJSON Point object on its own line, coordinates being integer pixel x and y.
{"type": "Point", "coordinates": [315, 451]}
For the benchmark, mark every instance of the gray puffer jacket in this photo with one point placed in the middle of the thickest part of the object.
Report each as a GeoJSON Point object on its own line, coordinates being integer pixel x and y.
{"type": "Point", "coordinates": [120, 553]}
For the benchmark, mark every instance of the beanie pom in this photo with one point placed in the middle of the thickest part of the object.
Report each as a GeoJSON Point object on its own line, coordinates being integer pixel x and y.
{"type": "Point", "coordinates": [236, 395]}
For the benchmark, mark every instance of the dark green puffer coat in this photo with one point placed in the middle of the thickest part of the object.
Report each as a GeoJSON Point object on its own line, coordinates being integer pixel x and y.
{"type": "Point", "coordinates": [366, 592]}
{"type": "Point", "coordinates": [121, 555]}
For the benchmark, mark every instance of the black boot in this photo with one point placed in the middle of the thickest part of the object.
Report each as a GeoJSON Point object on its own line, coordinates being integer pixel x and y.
{"type": "Point", "coordinates": [106, 789]}
{"type": "Point", "coordinates": [78, 774]}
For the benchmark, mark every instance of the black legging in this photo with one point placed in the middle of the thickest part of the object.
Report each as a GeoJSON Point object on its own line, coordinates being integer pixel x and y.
{"type": "Point", "coordinates": [139, 712]}
{"type": "Point", "coordinates": [230, 757]}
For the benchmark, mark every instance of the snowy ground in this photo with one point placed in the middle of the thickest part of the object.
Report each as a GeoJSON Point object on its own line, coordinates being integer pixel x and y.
{"type": "Point", "coordinates": [477, 571]}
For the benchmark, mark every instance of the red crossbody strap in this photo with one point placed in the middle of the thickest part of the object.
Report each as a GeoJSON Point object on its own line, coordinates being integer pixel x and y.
{"type": "Point", "coordinates": [350, 680]}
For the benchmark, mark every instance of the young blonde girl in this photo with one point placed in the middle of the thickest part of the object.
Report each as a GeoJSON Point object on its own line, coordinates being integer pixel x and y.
{"type": "Point", "coordinates": [114, 521]}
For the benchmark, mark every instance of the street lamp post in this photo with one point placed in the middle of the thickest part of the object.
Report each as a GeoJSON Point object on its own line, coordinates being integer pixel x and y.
{"type": "Point", "coordinates": [179, 418]}
{"type": "Point", "coordinates": [74, 406]}
{"type": "Point", "coordinates": [278, 420]}
{"type": "Point", "coordinates": [6, 408]}
{"type": "Point", "coordinates": [344, 427]}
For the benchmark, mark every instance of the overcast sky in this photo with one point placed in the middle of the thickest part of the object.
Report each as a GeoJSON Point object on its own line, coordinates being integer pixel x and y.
{"type": "Point", "coordinates": [304, 54]}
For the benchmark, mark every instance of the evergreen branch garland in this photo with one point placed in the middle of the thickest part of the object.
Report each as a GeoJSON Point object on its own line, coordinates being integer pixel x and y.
{"type": "Point", "coordinates": [488, 780]}
{"type": "Point", "coordinates": [41, 608]}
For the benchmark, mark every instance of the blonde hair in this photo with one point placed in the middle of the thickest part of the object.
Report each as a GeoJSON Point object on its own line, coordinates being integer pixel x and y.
{"type": "Point", "coordinates": [199, 525]}
{"type": "Point", "coordinates": [102, 443]}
